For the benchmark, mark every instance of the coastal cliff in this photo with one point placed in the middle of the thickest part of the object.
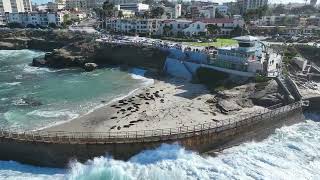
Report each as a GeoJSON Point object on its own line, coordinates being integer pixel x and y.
{"type": "Point", "coordinates": [79, 53]}
{"type": "Point", "coordinates": [75, 49]}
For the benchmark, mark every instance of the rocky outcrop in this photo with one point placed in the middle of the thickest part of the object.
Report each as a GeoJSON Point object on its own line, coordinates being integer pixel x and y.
{"type": "Point", "coordinates": [44, 40]}
{"type": "Point", "coordinates": [264, 94]}
{"type": "Point", "coordinates": [90, 66]}
{"type": "Point", "coordinates": [81, 53]}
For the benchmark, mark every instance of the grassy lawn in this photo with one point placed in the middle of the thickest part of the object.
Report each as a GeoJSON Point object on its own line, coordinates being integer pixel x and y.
{"type": "Point", "coordinates": [219, 43]}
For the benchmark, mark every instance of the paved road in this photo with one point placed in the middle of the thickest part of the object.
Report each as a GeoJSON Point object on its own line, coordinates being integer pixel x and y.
{"type": "Point", "coordinates": [85, 26]}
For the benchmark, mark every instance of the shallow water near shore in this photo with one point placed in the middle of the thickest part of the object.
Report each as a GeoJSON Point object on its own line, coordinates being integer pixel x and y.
{"type": "Point", "coordinates": [32, 97]}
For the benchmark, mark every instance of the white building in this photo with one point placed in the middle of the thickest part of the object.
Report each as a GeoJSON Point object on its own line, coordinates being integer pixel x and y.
{"type": "Point", "coordinates": [5, 6]}
{"type": "Point", "coordinates": [172, 26]}
{"type": "Point", "coordinates": [134, 26]}
{"type": "Point", "coordinates": [222, 9]}
{"type": "Point", "coordinates": [136, 7]}
{"type": "Point", "coordinates": [55, 6]}
{"type": "Point", "coordinates": [76, 4]}
{"type": "Point", "coordinates": [117, 2]}
{"type": "Point", "coordinates": [226, 25]}
{"type": "Point", "coordinates": [177, 10]}
{"type": "Point", "coordinates": [29, 19]}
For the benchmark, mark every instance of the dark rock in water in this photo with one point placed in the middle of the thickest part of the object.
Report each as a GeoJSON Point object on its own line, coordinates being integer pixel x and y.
{"type": "Point", "coordinates": [147, 103]}
{"type": "Point", "coordinates": [103, 101]}
{"type": "Point", "coordinates": [126, 126]}
{"type": "Point", "coordinates": [114, 117]}
{"type": "Point", "coordinates": [39, 62]}
{"type": "Point", "coordinates": [90, 66]}
{"type": "Point", "coordinates": [113, 127]}
{"type": "Point", "coordinates": [28, 102]}
{"type": "Point", "coordinates": [118, 127]}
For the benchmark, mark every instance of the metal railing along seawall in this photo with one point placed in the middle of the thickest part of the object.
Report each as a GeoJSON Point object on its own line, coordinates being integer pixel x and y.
{"type": "Point", "coordinates": [148, 135]}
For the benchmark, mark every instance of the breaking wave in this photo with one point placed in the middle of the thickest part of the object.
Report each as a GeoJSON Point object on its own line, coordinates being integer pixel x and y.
{"type": "Point", "coordinates": [291, 153]}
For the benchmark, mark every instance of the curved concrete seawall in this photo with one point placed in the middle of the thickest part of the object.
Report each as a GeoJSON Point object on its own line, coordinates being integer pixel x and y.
{"type": "Point", "coordinates": [56, 149]}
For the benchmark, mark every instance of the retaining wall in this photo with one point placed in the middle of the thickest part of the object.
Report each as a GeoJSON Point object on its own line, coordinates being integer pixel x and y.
{"type": "Point", "coordinates": [56, 150]}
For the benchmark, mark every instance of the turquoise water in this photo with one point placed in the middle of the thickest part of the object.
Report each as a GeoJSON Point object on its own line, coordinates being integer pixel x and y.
{"type": "Point", "coordinates": [32, 97]}
{"type": "Point", "coordinates": [290, 153]}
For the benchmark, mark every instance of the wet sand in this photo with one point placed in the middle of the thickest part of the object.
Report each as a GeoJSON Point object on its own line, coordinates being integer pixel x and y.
{"type": "Point", "coordinates": [168, 103]}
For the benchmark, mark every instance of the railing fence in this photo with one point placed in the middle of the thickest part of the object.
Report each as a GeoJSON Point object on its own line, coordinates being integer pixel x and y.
{"type": "Point", "coordinates": [148, 135]}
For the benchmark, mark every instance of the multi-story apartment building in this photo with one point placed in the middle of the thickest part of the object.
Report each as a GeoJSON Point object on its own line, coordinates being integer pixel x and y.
{"type": "Point", "coordinates": [172, 26]}
{"type": "Point", "coordinates": [8, 6]}
{"type": "Point", "coordinates": [139, 26]}
{"type": "Point", "coordinates": [21, 5]}
{"type": "Point", "coordinates": [55, 6]}
{"type": "Point", "coordinates": [246, 5]}
{"type": "Point", "coordinates": [77, 4]}
{"type": "Point", "coordinates": [35, 18]}
{"type": "Point", "coordinates": [281, 20]}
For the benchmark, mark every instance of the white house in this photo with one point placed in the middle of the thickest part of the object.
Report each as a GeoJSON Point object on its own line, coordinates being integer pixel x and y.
{"type": "Point", "coordinates": [172, 26]}
{"type": "Point", "coordinates": [136, 7]}
{"type": "Point", "coordinates": [36, 18]}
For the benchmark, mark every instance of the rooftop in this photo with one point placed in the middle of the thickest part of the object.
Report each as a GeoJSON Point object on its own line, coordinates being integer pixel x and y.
{"type": "Point", "coordinates": [246, 38]}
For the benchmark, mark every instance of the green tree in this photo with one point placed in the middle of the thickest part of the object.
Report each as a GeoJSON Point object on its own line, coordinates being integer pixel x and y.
{"type": "Point", "coordinates": [120, 14]}
{"type": "Point", "coordinates": [213, 29]}
{"type": "Point", "coordinates": [157, 12]}
{"type": "Point", "coordinates": [108, 7]}
{"type": "Point", "coordinates": [52, 25]}
{"type": "Point", "coordinates": [238, 31]}
{"type": "Point", "coordinates": [219, 15]}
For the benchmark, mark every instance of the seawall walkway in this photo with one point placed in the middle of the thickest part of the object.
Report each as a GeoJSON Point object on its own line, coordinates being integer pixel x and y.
{"type": "Point", "coordinates": [146, 135]}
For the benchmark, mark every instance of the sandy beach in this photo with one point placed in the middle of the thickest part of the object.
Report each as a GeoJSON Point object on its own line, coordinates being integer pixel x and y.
{"type": "Point", "coordinates": [168, 103]}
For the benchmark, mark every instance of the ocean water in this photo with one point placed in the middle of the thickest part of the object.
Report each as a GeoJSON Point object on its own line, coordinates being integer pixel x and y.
{"type": "Point", "coordinates": [32, 97]}
{"type": "Point", "coordinates": [290, 153]}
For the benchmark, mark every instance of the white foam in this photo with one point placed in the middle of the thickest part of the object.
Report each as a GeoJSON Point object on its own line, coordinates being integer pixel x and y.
{"type": "Point", "coordinates": [291, 153]}
{"type": "Point", "coordinates": [38, 70]}
{"type": "Point", "coordinates": [137, 73]}
{"type": "Point", "coordinates": [53, 114]}
{"type": "Point", "coordinates": [8, 84]}
{"type": "Point", "coordinates": [13, 83]}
